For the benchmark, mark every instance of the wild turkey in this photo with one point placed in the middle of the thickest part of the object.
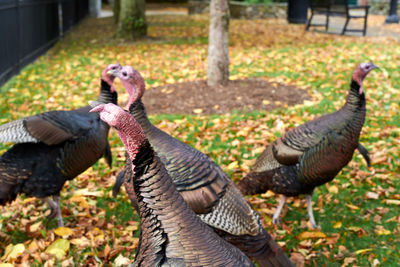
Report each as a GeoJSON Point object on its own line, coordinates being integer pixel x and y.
{"type": "Point", "coordinates": [313, 153]}
{"type": "Point", "coordinates": [54, 147]}
{"type": "Point", "coordinates": [202, 184]}
{"type": "Point", "coordinates": [171, 233]}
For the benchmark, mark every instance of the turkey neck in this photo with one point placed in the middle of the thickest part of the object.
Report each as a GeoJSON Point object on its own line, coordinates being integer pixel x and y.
{"type": "Point", "coordinates": [355, 101]}
{"type": "Point", "coordinates": [138, 111]}
{"type": "Point", "coordinates": [354, 107]}
{"type": "Point", "coordinates": [106, 96]}
{"type": "Point", "coordinates": [159, 205]}
{"type": "Point", "coordinates": [352, 114]}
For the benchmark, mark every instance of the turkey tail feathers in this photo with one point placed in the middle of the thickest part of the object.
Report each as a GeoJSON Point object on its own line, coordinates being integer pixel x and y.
{"type": "Point", "coordinates": [364, 152]}
{"type": "Point", "coordinates": [261, 248]}
{"type": "Point", "coordinates": [118, 182]}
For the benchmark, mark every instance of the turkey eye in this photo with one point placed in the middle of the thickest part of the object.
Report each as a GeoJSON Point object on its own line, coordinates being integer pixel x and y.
{"type": "Point", "coordinates": [114, 68]}
{"type": "Point", "coordinates": [124, 73]}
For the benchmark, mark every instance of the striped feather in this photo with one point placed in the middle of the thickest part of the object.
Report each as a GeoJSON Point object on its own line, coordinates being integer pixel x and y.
{"type": "Point", "coordinates": [15, 132]}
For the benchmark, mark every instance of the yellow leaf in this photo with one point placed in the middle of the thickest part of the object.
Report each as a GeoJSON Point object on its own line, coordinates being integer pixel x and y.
{"type": "Point", "coordinates": [86, 192]}
{"type": "Point", "coordinates": [392, 201]}
{"type": "Point", "coordinates": [362, 251]}
{"type": "Point", "coordinates": [354, 228]}
{"type": "Point", "coordinates": [34, 227]}
{"type": "Point", "coordinates": [82, 242]}
{"type": "Point", "coordinates": [333, 189]}
{"type": "Point", "coordinates": [13, 251]}
{"type": "Point", "coordinates": [266, 102]}
{"type": "Point", "coordinates": [351, 206]}
{"type": "Point", "coordinates": [258, 150]}
{"type": "Point", "coordinates": [63, 231]}
{"type": "Point", "coordinates": [7, 251]}
{"type": "Point", "coordinates": [233, 165]}
{"type": "Point", "coordinates": [198, 110]}
{"type": "Point", "coordinates": [33, 246]}
{"type": "Point", "coordinates": [382, 231]}
{"type": "Point", "coordinates": [6, 265]}
{"type": "Point", "coordinates": [337, 225]}
{"type": "Point", "coordinates": [268, 194]}
{"type": "Point", "coordinates": [308, 235]}
{"type": "Point", "coordinates": [58, 248]}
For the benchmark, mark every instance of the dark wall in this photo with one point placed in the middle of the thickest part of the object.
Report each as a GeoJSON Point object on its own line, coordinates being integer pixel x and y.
{"type": "Point", "coordinates": [28, 28]}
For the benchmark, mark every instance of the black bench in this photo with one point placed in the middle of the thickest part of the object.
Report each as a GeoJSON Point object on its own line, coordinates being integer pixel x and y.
{"type": "Point", "coordinates": [337, 8]}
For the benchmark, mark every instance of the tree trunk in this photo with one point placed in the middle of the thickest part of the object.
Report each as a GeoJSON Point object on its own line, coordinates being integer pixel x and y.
{"type": "Point", "coordinates": [132, 20]}
{"type": "Point", "coordinates": [218, 57]}
{"type": "Point", "coordinates": [116, 9]}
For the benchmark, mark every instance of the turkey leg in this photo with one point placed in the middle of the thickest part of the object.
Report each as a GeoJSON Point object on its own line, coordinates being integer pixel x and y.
{"type": "Point", "coordinates": [275, 218]}
{"type": "Point", "coordinates": [310, 212]}
{"type": "Point", "coordinates": [55, 209]}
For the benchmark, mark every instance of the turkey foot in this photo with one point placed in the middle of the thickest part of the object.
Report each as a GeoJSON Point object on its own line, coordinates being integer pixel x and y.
{"type": "Point", "coordinates": [275, 218]}
{"type": "Point", "coordinates": [55, 210]}
{"type": "Point", "coordinates": [310, 212]}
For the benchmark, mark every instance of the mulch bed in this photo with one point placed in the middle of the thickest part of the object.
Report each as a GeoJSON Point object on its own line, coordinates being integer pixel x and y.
{"type": "Point", "coordinates": [198, 98]}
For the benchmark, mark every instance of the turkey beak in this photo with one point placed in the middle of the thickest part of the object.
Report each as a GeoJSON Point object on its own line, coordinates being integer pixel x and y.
{"type": "Point", "coordinates": [114, 72]}
{"type": "Point", "coordinates": [373, 66]}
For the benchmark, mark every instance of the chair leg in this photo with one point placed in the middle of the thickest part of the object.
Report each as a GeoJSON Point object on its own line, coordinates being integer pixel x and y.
{"type": "Point", "coordinates": [365, 22]}
{"type": "Point", "coordinates": [309, 21]}
{"type": "Point", "coordinates": [327, 19]}
{"type": "Point", "coordinates": [345, 25]}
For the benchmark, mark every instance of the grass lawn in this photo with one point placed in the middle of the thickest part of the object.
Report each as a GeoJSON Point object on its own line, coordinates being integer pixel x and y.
{"type": "Point", "coordinates": [358, 211]}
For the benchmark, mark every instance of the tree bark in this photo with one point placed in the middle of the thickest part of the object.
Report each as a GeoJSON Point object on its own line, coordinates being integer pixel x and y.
{"type": "Point", "coordinates": [132, 20]}
{"type": "Point", "coordinates": [218, 56]}
{"type": "Point", "coordinates": [116, 9]}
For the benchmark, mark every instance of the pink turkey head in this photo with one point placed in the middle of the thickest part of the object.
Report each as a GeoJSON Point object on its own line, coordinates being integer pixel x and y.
{"type": "Point", "coordinates": [129, 130]}
{"type": "Point", "coordinates": [109, 73]}
{"type": "Point", "coordinates": [361, 72]}
{"type": "Point", "coordinates": [133, 83]}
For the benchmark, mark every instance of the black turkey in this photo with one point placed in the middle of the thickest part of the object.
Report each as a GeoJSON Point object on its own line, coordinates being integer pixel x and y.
{"type": "Point", "coordinates": [313, 153]}
{"type": "Point", "coordinates": [54, 147]}
{"type": "Point", "coordinates": [202, 184]}
{"type": "Point", "coordinates": [170, 232]}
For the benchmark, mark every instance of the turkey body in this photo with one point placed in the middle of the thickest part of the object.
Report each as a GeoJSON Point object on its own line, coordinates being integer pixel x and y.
{"type": "Point", "coordinates": [209, 193]}
{"type": "Point", "coordinates": [52, 147]}
{"type": "Point", "coordinates": [171, 233]}
{"type": "Point", "coordinates": [311, 154]}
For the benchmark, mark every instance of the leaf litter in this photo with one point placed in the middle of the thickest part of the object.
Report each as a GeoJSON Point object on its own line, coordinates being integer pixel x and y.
{"type": "Point", "coordinates": [357, 212]}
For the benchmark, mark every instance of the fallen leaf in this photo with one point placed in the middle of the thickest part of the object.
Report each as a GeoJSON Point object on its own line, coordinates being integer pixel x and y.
{"type": "Point", "coordinates": [233, 165]}
{"type": "Point", "coordinates": [362, 251]}
{"type": "Point", "coordinates": [351, 206]}
{"type": "Point", "coordinates": [86, 192]}
{"type": "Point", "coordinates": [63, 231]}
{"type": "Point", "coordinates": [13, 251]}
{"type": "Point", "coordinates": [380, 230]}
{"type": "Point", "coordinates": [333, 189]}
{"type": "Point", "coordinates": [307, 235]}
{"type": "Point", "coordinates": [371, 195]}
{"type": "Point", "coordinates": [121, 261]}
{"type": "Point", "coordinates": [337, 225]}
{"type": "Point", "coordinates": [297, 259]}
{"type": "Point", "coordinates": [347, 261]}
{"type": "Point", "coordinates": [58, 248]}
{"type": "Point", "coordinates": [34, 227]}
{"type": "Point", "coordinates": [392, 201]}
